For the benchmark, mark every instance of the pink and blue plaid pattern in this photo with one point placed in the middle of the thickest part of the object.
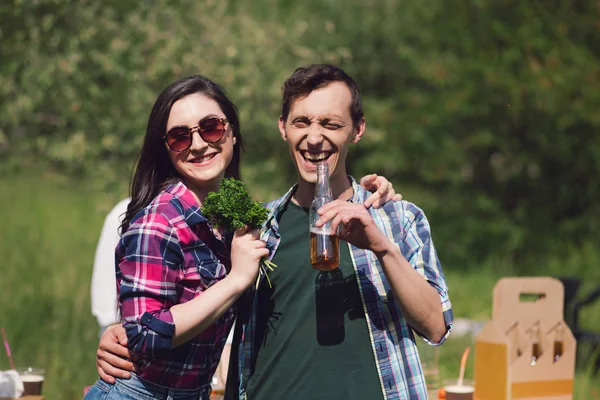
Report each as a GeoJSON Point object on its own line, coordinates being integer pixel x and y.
{"type": "Point", "coordinates": [169, 255]}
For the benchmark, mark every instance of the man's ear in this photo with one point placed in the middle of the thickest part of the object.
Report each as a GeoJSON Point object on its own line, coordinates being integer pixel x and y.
{"type": "Point", "coordinates": [359, 130]}
{"type": "Point", "coordinates": [281, 124]}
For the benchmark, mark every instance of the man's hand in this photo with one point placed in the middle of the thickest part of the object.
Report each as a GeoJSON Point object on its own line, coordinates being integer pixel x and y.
{"type": "Point", "coordinates": [383, 190]}
{"type": "Point", "coordinates": [113, 358]}
{"type": "Point", "coordinates": [358, 226]}
{"type": "Point", "coordinates": [419, 302]}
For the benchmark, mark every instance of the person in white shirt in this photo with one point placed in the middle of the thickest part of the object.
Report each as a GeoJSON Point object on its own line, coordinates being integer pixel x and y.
{"type": "Point", "coordinates": [104, 287]}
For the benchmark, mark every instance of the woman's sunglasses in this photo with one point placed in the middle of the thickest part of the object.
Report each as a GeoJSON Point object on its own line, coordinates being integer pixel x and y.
{"type": "Point", "coordinates": [211, 130]}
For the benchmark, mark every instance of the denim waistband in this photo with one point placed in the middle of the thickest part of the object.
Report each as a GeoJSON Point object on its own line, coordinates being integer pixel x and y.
{"type": "Point", "coordinates": [152, 390]}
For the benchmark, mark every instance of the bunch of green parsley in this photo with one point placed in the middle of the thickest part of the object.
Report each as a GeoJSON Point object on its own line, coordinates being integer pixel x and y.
{"type": "Point", "coordinates": [232, 208]}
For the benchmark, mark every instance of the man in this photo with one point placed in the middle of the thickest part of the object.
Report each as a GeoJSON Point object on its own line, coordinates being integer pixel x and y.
{"type": "Point", "coordinates": [389, 281]}
{"type": "Point", "coordinates": [347, 334]}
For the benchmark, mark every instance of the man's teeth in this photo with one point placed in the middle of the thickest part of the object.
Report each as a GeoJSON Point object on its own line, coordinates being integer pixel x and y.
{"type": "Point", "coordinates": [316, 156]}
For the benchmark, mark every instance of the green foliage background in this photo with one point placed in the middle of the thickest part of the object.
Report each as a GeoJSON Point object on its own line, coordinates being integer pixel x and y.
{"type": "Point", "coordinates": [484, 112]}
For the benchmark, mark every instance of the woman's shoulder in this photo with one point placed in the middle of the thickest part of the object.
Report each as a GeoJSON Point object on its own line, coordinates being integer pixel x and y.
{"type": "Point", "coordinates": [174, 206]}
{"type": "Point", "coordinates": [155, 223]}
{"type": "Point", "coordinates": [165, 207]}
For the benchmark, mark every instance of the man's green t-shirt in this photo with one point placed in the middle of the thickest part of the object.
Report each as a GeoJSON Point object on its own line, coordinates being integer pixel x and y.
{"type": "Point", "coordinates": [312, 335]}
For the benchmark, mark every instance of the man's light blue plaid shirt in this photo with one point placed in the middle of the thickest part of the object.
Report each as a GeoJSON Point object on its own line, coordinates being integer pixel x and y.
{"type": "Point", "coordinates": [392, 340]}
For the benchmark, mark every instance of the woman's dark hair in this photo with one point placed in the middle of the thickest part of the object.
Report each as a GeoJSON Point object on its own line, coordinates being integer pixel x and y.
{"type": "Point", "coordinates": [306, 79]}
{"type": "Point", "coordinates": [154, 169]}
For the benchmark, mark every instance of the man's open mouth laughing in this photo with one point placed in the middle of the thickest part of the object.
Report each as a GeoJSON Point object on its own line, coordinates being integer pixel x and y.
{"type": "Point", "coordinates": [315, 157]}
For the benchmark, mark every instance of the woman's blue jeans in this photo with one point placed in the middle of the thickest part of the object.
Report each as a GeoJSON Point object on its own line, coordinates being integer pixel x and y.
{"type": "Point", "coordinates": [139, 389]}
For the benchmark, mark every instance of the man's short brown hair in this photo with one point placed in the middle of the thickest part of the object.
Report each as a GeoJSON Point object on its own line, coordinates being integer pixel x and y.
{"type": "Point", "coordinates": [306, 79]}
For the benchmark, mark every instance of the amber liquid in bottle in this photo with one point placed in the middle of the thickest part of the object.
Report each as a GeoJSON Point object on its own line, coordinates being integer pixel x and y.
{"type": "Point", "coordinates": [536, 352]}
{"type": "Point", "coordinates": [324, 251]}
{"type": "Point", "coordinates": [558, 350]}
{"type": "Point", "coordinates": [558, 343]}
{"type": "Point", "coordinates": [536, 347]}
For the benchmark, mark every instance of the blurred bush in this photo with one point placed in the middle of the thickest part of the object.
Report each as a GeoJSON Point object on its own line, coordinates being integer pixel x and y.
{"type": "Point", "coordinates": [485, 112]}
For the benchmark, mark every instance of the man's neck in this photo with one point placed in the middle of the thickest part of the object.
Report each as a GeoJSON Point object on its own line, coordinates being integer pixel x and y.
{"type": "Point", "coordinates": [341, 188]}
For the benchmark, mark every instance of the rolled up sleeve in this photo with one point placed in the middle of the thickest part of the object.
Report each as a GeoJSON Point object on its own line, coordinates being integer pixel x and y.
{"type": "Point", "coordinates": [149, 267]}
{"type": "Point", "coordinates": [421, 254]}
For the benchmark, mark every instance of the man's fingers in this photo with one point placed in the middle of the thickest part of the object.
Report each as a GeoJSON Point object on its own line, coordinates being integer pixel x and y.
{"type": "Point", "coordinates": [328, 215]}
{"type": "Point", "coordinates": [385, 196]}
{"type": "Point", "coordinates": [331, 205]}
{"type": "Point", "coordinates": [117, 361]}
{"type": "Point", "coordinates": [336, 222]}
{"type": "Point", "coordinates": [121, 336]}
{"type": "Point", "coordinates": [367, 181]}
{"type": "Point", "coordinates": [397, 197]}
{"type": "Point", "coordinates": [383, 186]}
{"type": "Point", "coordinates": [105, 377]}
{"type": "Point", "coordinates": [343, 209]}
{"type": "Point", "coordinates": [109, 372]}
{"type": "Point", "coordinates": [115, 348]}
{"type": "Point", "coordinates": [345, 219]}
{"type": "Point", "coordinates": [371, 199]}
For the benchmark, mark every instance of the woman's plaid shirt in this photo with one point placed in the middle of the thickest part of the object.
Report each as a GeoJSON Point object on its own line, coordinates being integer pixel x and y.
{"type": "Point", "coordinates": [169, 255]}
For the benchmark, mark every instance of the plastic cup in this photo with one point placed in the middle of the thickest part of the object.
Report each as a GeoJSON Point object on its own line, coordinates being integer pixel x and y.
{"type": "Point", "coordinates": [33, 379]}
{"type": "Point", "coordinates": [454, 391]}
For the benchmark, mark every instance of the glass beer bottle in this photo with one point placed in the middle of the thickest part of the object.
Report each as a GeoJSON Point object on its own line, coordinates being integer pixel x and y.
{"type": "Point", "coordinates": [324, 242]}
{"type": "Point", "coordinates": [559, 336]}
{"type": "Point", "coordinates": [536, 345]}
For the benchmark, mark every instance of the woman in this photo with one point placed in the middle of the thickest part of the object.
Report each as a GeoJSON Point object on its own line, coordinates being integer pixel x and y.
{"type": "Point", "coordinates": [177, 277]}
{"type": "Point", "coordinates": [177, 281]}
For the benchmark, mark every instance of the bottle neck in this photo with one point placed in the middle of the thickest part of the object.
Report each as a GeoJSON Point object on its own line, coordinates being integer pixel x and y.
{"type": "Point", "coordinates": [323, 186]}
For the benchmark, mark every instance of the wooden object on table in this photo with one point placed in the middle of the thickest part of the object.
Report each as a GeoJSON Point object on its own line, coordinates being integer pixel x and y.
{"type": "Point", "coordinates": [24, 398]}
{"type": "Point", "coordinates": [526, 351]}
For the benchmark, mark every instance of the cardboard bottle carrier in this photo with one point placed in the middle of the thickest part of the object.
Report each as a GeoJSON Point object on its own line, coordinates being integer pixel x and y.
{"type": "Point", "coordinates": [518, 353]}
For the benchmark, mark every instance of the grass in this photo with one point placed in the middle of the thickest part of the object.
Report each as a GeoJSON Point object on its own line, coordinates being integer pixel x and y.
{"type": "Point", "coordinates": [48, 241]}
{"type": "Point", "coordinates": [48, 238]}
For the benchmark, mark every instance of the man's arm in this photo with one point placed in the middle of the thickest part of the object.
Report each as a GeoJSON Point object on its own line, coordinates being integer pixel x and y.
{"type": "Point", "coordinates": [419, 302]}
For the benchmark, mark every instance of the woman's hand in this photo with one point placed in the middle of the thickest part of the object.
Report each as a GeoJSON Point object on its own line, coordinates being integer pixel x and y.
{"type": "Point", "coordinates": [195, 316]}
{"type": "Point", "coordinates": [246, 251]}
{"type": "Point", "coordinates": [383, 190]}
{"type": "Point", "coordinates": [113, 358]}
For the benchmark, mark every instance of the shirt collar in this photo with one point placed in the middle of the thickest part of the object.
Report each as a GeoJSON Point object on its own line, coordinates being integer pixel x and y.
{"type": "Point", "coordinates": [190, 206]}
{"type": "Point", "coordinates": [359, 196]}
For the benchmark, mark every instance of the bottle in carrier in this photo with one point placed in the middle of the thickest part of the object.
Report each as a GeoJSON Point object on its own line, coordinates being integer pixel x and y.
{"type": "Point", "coordinates": [559, 337]}
{"type": "Point", "coordinates": [324, 242]}
{"type": "Point", "coordinates": [536, 345]}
